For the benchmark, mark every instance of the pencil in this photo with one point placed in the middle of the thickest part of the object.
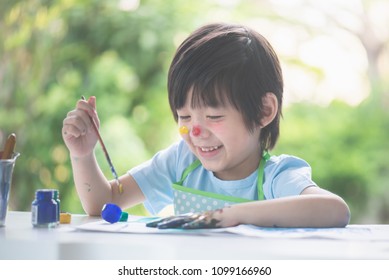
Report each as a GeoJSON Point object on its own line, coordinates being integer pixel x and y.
{"type": "Point", "coordinates": [105, 152]}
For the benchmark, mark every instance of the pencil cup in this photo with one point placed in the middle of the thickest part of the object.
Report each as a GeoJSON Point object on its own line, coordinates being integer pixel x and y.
{"type": "Point", "coordinates": [6, 172]}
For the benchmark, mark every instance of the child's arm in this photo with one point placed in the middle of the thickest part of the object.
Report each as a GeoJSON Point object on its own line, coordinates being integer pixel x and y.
{"type": "Point", "coordinates": [92, 187]}
{"type": "Point", "coordinates": [315, 207]}
{"type": "Point", "coordinates": [95, 190]}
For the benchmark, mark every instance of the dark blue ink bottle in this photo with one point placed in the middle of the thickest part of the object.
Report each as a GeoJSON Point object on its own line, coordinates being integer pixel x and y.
{"type": "Point", "coordinates": [44, 209]}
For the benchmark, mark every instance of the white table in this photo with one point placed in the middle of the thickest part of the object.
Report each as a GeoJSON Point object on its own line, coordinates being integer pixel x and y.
{"type": "Point", "coordinates": [20, 240]}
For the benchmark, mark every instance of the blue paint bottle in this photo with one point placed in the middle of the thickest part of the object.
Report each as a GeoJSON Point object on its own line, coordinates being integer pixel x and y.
{"type": "Point", "coordinates": [44, 209]}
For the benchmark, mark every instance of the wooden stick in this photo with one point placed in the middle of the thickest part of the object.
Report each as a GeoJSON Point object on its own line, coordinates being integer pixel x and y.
{"type": "Point", "coordinates": [9, 147]}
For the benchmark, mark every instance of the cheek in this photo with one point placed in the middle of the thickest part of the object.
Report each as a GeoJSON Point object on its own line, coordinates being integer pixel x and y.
{"type": "Point", "coordinates": [183, 131]}
{"type": "Point", "coordinates": [232, 133]}
{"type": "Point", "coordinates": [185, 136]}
{"type": "Point", "coordinates": [225, 130]}
{"type": "Point", "coordinates": [218, 128]}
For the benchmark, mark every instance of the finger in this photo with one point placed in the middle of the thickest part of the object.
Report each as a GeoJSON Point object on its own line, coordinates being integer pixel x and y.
{"type": "Point", "coordinates": [178, 221]}
{"type": "Point", "coordinates": [173, 223]}
{"type": "Point", "coordinates": [163, 220]}
{"type": "Point", "coordinates": [85, 106]}
{"type": "Point", "coordinates": [79, 113]}
{"type": "Point", "coordinates": [77, 123]}
{"type": "Point", "coordinates": [155, 223]}
{"type": "Point", "coordinates": [92, 102]}
{"type": "Point", "coordinates": [204, 221]}
{"type": "Point", "coordinates": [89, 106]}
{"type": "Point", "coordinates": [71, 131]}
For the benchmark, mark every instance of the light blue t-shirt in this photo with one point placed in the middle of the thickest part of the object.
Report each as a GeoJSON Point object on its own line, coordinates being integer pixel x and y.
{"type": "Point", "coordinates": [284, 175]}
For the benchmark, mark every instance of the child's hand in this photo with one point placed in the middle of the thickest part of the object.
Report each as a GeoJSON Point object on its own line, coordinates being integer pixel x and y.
{"type": "Point", "coordinates": [77, 129]}
{"type": "Point", "coordinates": [208, 219]}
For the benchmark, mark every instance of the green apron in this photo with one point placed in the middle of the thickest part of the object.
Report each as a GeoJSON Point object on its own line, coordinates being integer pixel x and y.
{"type": "Point", "coordinates": [188, 200]}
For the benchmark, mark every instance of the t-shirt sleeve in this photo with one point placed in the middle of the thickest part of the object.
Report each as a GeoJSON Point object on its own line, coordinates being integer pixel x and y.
{"type": "Point", "coordinates": [156, 176]}
{"type": "Point", "coordinates": [287, 176]}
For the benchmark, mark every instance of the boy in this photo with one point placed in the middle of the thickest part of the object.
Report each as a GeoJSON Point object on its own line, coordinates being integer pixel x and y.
{"type": "Point", "coordinates": [225, 90]}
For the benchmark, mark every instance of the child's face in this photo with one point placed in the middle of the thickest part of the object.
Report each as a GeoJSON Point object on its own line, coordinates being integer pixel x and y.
{"type": "Point", "coordinates": [220, 140]}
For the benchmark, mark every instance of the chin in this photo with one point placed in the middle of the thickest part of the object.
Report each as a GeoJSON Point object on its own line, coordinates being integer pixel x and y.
{"type": "Point", "coordinates": [211, 167]}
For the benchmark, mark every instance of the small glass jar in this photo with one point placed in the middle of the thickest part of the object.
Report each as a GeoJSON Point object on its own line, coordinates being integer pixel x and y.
{"type": "Point", "coordinates": [44, 209]}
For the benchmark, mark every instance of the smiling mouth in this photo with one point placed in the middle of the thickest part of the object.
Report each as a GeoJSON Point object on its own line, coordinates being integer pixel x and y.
{"type": "Point", "coordinates": [210, 149]}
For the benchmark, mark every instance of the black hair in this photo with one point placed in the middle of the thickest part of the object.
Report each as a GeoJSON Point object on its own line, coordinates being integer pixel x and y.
{"type": "Point", "coordinates": [233, 63]}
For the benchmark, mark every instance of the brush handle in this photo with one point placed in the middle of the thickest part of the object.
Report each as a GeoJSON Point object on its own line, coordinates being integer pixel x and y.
{"type": "Point", "coordinates": [9, 147]}
{"type": "Point", "coordinates": [102, 145]}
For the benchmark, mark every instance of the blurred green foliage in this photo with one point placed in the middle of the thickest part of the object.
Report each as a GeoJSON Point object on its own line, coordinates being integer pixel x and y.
{"type": "Point", "coordinates": [52, 52]}
{"type": "Point", "coordinates": [347, 150]}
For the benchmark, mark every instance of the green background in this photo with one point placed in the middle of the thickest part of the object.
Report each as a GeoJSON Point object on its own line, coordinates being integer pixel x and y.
{"type": "Point", "coordinates": [52, 52]}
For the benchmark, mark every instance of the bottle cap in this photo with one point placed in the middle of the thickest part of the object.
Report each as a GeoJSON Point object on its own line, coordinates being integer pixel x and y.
{"type": "Point", "coordinates": [44, 194]}
{"type": "Point", "coordinates": [65, 218]}
{"type": "Point", "coordinates": [112, 213]}
{"type": "Point", "coordinates": [123, 217]}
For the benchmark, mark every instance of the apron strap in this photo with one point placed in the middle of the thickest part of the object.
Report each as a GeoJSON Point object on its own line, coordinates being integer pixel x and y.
{"type": "Point", "coordinates": [188, 170]}
{"type": "Point", "coordinates": [261, 171]}
{"type": "Point", "coordinates": [261, 195]}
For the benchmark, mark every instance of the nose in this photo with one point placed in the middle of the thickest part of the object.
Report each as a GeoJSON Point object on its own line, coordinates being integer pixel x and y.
{"type": "Point", "coordinates": [196, 130]}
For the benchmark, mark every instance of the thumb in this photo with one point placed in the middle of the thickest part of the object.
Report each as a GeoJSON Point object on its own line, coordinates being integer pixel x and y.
{"type": "Point", "coordinates": [92, 102]}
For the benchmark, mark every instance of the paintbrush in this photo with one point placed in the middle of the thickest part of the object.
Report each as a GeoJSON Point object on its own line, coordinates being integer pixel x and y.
{"type": "Point", "coordinates": [9, 147]}
{"type": "Point", "coordinates": [105, 152]}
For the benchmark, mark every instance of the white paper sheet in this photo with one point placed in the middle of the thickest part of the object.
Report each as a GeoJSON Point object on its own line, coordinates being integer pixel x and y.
{"type": "Point", "coordinates": [137, 224]}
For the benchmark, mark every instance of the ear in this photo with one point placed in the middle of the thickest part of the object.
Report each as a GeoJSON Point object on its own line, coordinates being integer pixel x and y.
{"type": "Point", "coordinates": [270, 108]}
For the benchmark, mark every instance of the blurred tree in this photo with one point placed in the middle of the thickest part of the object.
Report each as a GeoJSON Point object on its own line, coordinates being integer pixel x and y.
{"type": "Point", "coordinates": [53, 52]}
{"type": "Point", "coordinates": [346, 145]}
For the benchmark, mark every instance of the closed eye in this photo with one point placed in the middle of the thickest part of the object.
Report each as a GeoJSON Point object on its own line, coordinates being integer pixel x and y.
{"type": "Point", "coordinates": [184, 118]}
{"type": "Point", "coordinates": [214, 118]}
